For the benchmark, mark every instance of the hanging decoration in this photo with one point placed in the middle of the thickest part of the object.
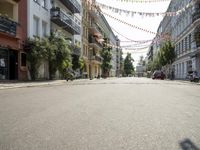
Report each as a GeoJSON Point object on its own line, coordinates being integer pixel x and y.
{"type": "Point", "coordinates": [139, 46]}
{"type": "Point", "coordinates": [136, 48]}
{"type": "Point", "coordinates": [144, 1]}
{"type": "Point", "coordinates": [143, 14]}
{"type": "Point", "coordinates": [130, 40]}
{"type": "Point", "coordinates": [131, 25]}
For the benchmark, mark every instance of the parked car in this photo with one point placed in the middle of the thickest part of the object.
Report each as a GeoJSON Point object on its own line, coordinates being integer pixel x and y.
{"type": "Point", "coordinates": [158, 75]}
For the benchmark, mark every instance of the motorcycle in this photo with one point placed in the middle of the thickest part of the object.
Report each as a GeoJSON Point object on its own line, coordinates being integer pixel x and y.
{"type": "Point", "coordinates": [69, 75]}
{"type": "Point", "coordinates": [193, 77]}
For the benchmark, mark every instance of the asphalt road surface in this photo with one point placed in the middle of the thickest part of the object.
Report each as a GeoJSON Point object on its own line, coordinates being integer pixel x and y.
{"type": "Point", "coordinates": [110, 114]}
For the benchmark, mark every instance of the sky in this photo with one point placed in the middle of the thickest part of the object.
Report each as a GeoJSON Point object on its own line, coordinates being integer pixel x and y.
{"type": "Point", "coordinates": [148, 23]}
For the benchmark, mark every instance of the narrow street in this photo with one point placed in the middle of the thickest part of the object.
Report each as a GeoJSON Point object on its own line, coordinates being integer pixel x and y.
{"type": "Point", "coordinates": [108, 114]}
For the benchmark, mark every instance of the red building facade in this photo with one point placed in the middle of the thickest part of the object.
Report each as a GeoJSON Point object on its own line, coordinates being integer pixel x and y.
{"type": "Point", "coordinates": [13, 33]}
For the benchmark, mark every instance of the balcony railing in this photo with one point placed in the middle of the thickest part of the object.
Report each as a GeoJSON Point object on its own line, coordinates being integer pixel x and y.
{"type": "Point", "coordinates": [76, 51]}
{"type": "Point", "coordinates": [95, 30]}
{"type": "Point", "coordinates": [94, 43]}
{"type": "Point", "coordinates": [96, 58]}
{"type": "Point", "coordinates": [196, 15]}
{"type": "Point", "coordinates": [72, 5]}
{"type": "Point", "coordinates": [197, 36]}
{"type": "Point", "coordinates": [93, 13]}
{"type": "Point", "coordinates": [65, 21]}
{"type": "Point", "coordinates": [8, 26]}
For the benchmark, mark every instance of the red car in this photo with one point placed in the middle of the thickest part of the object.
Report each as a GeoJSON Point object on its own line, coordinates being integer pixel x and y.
{"type": "Point", "coordinates": [158, 75]}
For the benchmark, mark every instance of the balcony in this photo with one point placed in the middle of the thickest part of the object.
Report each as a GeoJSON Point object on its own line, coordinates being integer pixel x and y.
{"type": "Point", "coordinates": [93, 43]}
{"type": "Point", "coordinates": [197, 36]}
{"type": "Point", "coordinates": [94, 29]}
{"type": "Point", "coordinates": [65, 21]}
{"type": "Point", "coordinates": [72, 5]}
{"type": "Point", "coordinates": [94, 12]}
{"type": "Point", "coordinates": [96, 58]}
{"type": "Point", "coordinates": [8, 26]}
{"type": "Point", "coordinates": [196, 15]}
{"type": "Point", "coordinates": [76, 51]}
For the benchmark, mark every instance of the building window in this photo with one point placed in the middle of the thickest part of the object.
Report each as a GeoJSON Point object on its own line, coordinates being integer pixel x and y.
{"type": "Point", "coordinates": [182, 46]}
{"type": "Point", "coordinates": [23, 59]}
{"type": "Point", "coordinates": [190, 39]}
{"type": "Point", "coordinates": [186, 44]}
{"type": "Point", "coordinates": [35, 26]}
{"type": "Point", "coordinates": [84, 50]}
{"type": "Point", "coordinates": [44, 3]}
{"type": "Point", "coordinates": [176, 50]}
{"type": "Point", "coordinates": [44, 29]}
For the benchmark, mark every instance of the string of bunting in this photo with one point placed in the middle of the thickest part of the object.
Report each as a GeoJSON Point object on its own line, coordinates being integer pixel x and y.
{"type": "Point", "coordinates": [138, 46]}
{"type": "Point", "coordinates": [135, 46]}
{"type": "Point", "coordinates": [143, 14]}
{"type": "Point", "coordinates": [130, 40]}
{"type": "Point", "coordinates": [158, 37]}
{"type": "Point", "coordinates": [143, 1]}
{"type": "Point", "coordinates": [131, 25]}
{"type": "Point", "coordinates": [130, 47]}
{"type": "Point", "coordinates": [142, 43]}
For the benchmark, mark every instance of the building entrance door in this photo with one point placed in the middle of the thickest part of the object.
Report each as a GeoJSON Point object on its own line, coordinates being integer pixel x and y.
{"type": "Point", "coordinates": [3, 63]}
{"type": "Point", "coordinates": [13, 65]}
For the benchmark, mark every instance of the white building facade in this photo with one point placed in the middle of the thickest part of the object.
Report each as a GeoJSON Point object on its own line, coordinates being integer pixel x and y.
{"type": "Point", "coordinates": [184, 28]}
{"type": "Point", "coordinates": [38, 24]}
{"type": "Point", "coordinates": [66, 21]}
{"type": "Point", "coordinates": [113, 42]}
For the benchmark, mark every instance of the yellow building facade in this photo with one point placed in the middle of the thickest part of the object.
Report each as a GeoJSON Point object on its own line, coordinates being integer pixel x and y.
{"type": "Point", "coordinates": [92, 40]}
{"type": "Point", "coordinates": [85, 49]}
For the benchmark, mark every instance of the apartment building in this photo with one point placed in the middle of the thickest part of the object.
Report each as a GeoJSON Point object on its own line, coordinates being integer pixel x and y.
{"type": "Point", "coordinates": [185, 33]}
{"type": "Point", "coordinates": [95, 39]}
{"type": "Point", "coordinates": [38, 21]}
{"type": "Point", "coordinates": [115, 56]}
{"type": "Point", "coordinates": [118, 57]}
{"type": "Point", "coordinates": [95, 29]}
{"type": "Point", "coordinates": [66, 21]}
{"type": "Point", "coordinates": [183, 30]}
{"type": "Point", "coordinates": [85, 44]}
{"type": "Point", "coordinates": [13, 27]}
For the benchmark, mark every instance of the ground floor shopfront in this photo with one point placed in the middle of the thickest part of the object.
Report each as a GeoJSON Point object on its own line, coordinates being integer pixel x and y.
{"type": "Point", "coordinates": [12, 64]}
{"type": "Point", "coordinates": [95, 70]}
{"type": "Point", "coordinates": [187, 64]}
{"type": "Point", "coordinates": [92, 69]}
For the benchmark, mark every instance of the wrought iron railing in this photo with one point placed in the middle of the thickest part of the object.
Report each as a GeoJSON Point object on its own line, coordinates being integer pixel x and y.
{"type": "Point", "coordinates": [67, 19]}
{"type": "Point", "coordinates": [8, 26]}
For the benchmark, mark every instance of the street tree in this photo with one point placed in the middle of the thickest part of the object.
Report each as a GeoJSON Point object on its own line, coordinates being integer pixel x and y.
{"type": "Point", "coordinates": [35, 54]}
{"type": "Point", "coordinates": [121, 63]}
{"type": "Point", "coordinates": [128, 65]}
{"type": "Point", "coordinates": [107, 56]}
{"type": "Point", "coordinates": [53, 49]}
{"type": "Point", "coordinates": [167, 54]}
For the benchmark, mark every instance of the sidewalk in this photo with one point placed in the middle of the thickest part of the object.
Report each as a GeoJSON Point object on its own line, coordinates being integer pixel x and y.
{"type": "Point", "coordinates": [21, 84]}
{"type": "Point", "coordinates": [18, 84]}
{"type": "Point", "coordinates": [184, 81]}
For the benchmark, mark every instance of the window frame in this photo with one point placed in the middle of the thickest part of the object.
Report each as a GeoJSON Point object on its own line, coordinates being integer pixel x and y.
{"type": "Point", "coordinates": [21, 59]}
{"type": "Point", "coordinates": [36, 32]}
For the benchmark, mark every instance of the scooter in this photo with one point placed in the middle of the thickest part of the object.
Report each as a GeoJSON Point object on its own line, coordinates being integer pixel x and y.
{"type": "Point", "coordinates": [194, 77]}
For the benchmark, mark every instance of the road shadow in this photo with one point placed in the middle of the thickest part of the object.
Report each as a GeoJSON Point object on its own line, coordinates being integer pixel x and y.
{"type": "Point", "coordinates": [187, 144]}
